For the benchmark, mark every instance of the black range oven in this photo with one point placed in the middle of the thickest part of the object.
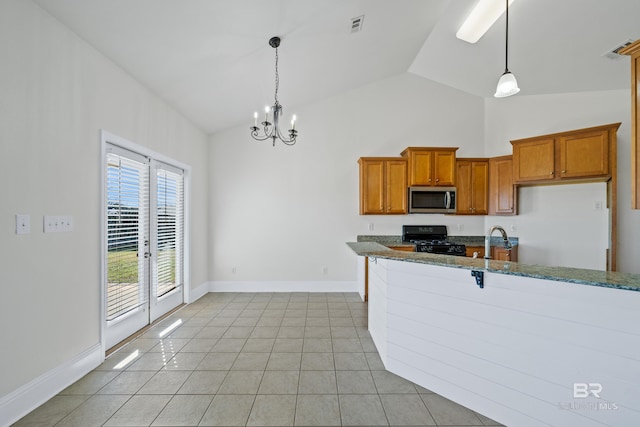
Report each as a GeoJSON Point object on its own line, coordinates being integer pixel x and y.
{"type": "Point", "coordinates": [432, 239]}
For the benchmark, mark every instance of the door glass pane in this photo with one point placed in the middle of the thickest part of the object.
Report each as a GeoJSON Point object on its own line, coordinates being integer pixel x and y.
{"type": "Point", "coordinates": [126, 223]}
{"type": "Point", "coordinates": [169, 211]}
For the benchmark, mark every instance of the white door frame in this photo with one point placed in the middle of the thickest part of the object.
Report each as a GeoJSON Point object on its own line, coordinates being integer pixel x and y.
{"type": "Point", "coordinates": [106, 137]}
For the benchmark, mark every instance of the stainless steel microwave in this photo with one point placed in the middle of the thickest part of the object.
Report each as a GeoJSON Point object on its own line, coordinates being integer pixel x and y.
{"type": "Point", "coordinates": [432, 199]}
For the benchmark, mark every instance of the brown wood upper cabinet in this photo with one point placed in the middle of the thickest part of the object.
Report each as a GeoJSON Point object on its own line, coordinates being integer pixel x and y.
{"type": "Point", "coordinates": [502, 191]}
{"type": "Point", "coordinates": [472, 185]}
{"type": "Point", "coordinates": [431, 166]}
{"type": "Point", "coordinates": [634, 51]}
{"type": "Point", "coordinates": [576, 155]}
{"type": "Point", "coordinates": [383, 185]}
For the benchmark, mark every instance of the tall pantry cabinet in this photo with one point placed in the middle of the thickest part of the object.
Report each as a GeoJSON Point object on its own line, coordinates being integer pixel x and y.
{"type": "Point", "coordinates": [633, 50]}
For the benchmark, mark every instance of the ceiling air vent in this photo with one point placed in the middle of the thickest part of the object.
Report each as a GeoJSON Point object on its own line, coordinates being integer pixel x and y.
{"type": "Point", "coordinates": [613, 53]}
{"type": "Point", "coordinates": [356, 24]}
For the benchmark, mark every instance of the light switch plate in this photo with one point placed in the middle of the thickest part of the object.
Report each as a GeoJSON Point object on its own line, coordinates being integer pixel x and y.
{"type": "Point", "coordinates": [23, 223]}
{"type": "Point", "coordinates": [57, 223]}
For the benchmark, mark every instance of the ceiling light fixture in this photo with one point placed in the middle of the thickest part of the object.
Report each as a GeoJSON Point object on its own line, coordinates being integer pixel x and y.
{"type": "Point", "coordinates": [481, 18]}
{"type": "Point", "coordinates": [507, 85]}
{"type": "Point", "coordinates": [269, 129]}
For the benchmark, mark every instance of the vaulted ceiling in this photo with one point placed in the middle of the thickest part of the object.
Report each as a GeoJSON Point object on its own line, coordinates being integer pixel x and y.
{"type": "Point", "coordinates": [210, 59]}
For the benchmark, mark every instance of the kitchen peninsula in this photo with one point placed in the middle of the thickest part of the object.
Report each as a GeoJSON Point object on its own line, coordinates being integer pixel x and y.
{"type": "Point", "coordinates": [533, 346]}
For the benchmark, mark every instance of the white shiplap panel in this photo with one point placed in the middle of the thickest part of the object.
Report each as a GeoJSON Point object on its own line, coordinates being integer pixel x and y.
{"type": "Point", "coordinates": [505, 404]}
{"type": "Point", "coordinates": [580, 320]}
{"type": "Point", "coordinates": [514, 349]}
{"type": "Point", "coordinates": [504, 364]}
{"type": "Point", "coordinates": [378, 305]}
{"type": "Point", "coordinates": [500, 326]}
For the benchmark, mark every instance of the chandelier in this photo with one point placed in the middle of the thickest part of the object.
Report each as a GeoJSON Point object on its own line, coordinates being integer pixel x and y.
{"type": "Point", "coordinates": [272, 129]}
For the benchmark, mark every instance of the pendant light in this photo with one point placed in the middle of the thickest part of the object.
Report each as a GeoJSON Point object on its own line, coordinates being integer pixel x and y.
{"type": "Point", "coordinates": [507, 85]}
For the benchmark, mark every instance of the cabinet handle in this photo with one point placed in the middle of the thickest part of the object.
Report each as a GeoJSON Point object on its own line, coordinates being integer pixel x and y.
{"type": "Point", "coordinates": [550, 173]}
{"type": "Point", "coordinates": [429, 179]}
{"type": "Point", "coordinates": [564, 171]}
{"type": "Point", "coordinates": [437, 179]}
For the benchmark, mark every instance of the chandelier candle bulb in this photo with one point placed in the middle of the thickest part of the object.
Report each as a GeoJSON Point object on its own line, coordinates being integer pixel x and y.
{"type": "Point", "coordinates": [255, 119]}
{"type": "Point", "coordinates": [266, 114]}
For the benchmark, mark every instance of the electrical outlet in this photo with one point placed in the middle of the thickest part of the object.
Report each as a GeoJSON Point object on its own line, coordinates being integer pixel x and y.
{"type": "Point", "coordinates": [325, 270]}
{"type": "Point", "coordinates": [513, 227]}
{"type": "Point", "coordinates": [370, 226]}
{"type": "Point", "coordinates": [234, 270]}
{"type": "Point", "coordinates": [460, 227]}
{"type": "Point", "coordinates": [598, 205]}
{"type": "Point", "coordinates": [23, 223]}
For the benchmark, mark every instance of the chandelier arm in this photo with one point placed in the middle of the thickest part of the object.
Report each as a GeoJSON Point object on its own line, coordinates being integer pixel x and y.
{"type": "Point", "coordinates": [257, 136]}
{"type": "Point", "coordinates": [292, 137]}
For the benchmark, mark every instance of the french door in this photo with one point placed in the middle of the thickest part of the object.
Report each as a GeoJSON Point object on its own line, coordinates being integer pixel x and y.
{"type": "Point", "coordinates": [144, 225]}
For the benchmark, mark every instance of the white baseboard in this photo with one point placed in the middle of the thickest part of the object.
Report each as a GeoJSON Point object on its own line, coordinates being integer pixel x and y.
{"type": "Point", "coordinates": [25, 399]}
{"type": "Point", "coordinates": [197, 293]}
{"type": "Point", "coordinates": [282, 286]}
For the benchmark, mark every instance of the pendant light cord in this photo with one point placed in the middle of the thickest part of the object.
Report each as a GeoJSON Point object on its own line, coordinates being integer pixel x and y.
{"type": "Point", "coordinates": [506, 43]}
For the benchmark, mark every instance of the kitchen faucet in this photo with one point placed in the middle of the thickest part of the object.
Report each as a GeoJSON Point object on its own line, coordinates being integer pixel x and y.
{"type": "Point", "coordinates": [487, 240]}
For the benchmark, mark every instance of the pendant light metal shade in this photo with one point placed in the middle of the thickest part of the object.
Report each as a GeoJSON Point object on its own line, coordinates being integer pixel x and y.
{"type": "Point", "coordinates": [507, 85]}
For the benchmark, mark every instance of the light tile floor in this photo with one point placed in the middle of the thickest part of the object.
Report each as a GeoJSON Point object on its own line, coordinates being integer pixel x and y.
{"type": "Point", "coordinates": [252, 359]}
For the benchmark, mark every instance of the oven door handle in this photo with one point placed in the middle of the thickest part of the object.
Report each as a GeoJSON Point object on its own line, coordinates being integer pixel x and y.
{"type": "Point", "coordinates": [447, 199]}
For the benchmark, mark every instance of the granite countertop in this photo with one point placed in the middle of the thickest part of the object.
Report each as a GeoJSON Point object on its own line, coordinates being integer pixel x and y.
{"type": "Point", "coordinates": [608, 279]}
{"type": "Point", "coordinates": [466, 240]}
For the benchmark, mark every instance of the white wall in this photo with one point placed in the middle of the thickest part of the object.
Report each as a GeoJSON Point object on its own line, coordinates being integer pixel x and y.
{"type": "Point", "coordinates": [282, 213]}
{"type": "Point", "coordinates": [559, 225]}
{"type": "Point", "coordinates": [57, 93]}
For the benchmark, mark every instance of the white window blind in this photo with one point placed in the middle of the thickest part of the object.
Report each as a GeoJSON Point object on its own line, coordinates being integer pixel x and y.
{"type": "Point", "coordinates": [168, 271]}
{"type": "Point", "coordinates": [127, 223]}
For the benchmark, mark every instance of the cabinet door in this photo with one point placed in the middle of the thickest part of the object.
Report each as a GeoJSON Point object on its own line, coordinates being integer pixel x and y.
{"type": "Point", "coordinates": [534, 160]}
{"type": "Point", "coordinates": [501, 254]}
{"type": "Point", "coordinates": [634, 51]}
{"type": "Point", "coordinates": [584, 155]}
{"type": "Point", "coordinates": [470, 250]}
{"type": "Point", "coordinates": [480, 187]}
{"type": "Point", "coordinates": [420, 170]}
{"type": "Point", "coordinates": [372, 186]}
{"type": "Point", "coordinates": [444, 168]}
{"type": "Point", "coordinates": [463, 189]}
{"type": "Point", "coordinates": [472, 183]}
{"type": "Point", "coordinates": [396, 186]}
{"type": "Point", "coordinates": [502, 192]}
